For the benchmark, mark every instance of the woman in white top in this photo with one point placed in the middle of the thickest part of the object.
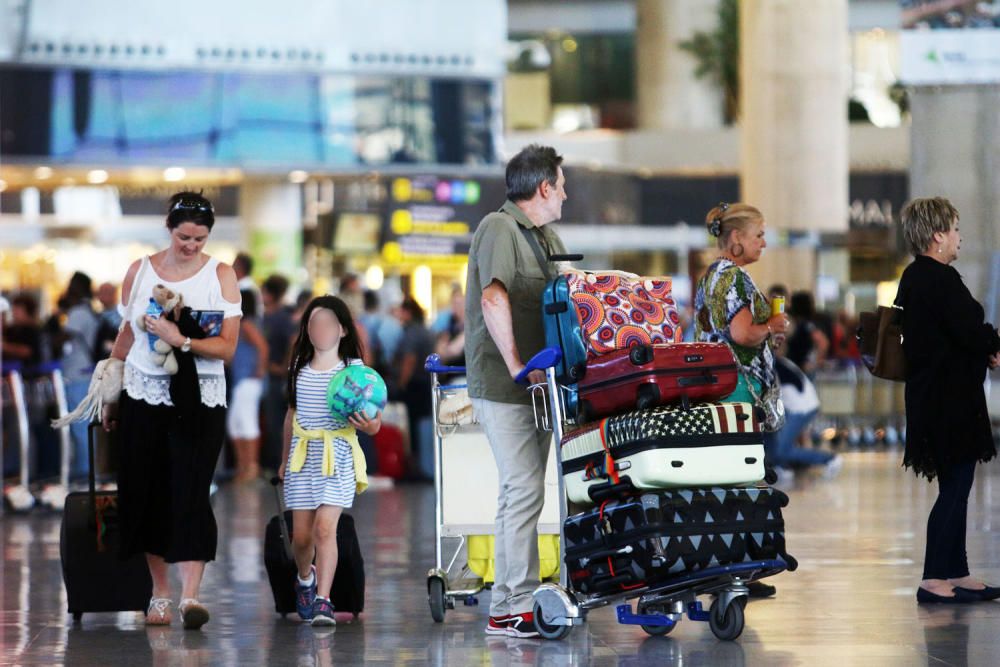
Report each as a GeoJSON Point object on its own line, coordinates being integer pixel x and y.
{"type": "Point", "coordinates": [169, 448]}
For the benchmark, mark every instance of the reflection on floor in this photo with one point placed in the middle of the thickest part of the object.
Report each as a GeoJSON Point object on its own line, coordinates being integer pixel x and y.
{"type": "Point", "coordinates": [859, 539]}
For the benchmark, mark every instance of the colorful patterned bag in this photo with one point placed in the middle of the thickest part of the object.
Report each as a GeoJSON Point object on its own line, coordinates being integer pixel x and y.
{"type": "Point", "coordinates": [618, 311]}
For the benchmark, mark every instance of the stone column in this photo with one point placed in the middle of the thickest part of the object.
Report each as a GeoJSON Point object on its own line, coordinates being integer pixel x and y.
{"type": "Point", "coordinates": [794, 141]}
{"type": "Point", "coordinates": [955, 143]}
{"type": "Point", "coordinates": [669, 95]}
{"type": "Point", "coordinates": [271, 215]}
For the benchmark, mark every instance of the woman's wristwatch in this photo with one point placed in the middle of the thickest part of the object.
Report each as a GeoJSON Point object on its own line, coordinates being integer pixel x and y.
{"type": "Point", "coordinates": [186, 345]}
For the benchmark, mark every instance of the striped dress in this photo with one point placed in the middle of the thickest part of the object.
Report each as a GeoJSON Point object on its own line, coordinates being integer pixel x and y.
{"type": "Point", "coordinates": [308, 488]}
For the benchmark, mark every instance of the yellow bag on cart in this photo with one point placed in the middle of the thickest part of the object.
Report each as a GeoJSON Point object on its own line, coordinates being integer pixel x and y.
{"type": "Point", "coordinates": [481, 556]}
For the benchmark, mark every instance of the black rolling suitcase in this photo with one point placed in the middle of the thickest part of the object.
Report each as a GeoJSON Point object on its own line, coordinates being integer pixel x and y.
{"type": "Point", "coordinates": [647, 539]}
{"type": "Point", "coordinates": [348, 591]}
{"type": "Point", "coordinates": [96, 578]}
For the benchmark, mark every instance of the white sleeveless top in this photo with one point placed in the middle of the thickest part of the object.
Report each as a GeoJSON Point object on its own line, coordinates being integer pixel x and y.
{"type": "Point", "coordinates": [144, 380]}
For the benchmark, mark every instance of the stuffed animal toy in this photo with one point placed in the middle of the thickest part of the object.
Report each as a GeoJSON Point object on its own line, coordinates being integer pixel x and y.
{"type": "Point", "coordinates": [105, 388]}
{"type": "Point", "coordinates": [169, 303]}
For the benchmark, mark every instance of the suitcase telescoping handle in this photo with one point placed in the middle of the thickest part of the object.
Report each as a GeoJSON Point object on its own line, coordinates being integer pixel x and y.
{"type": "Point", "coordinates": [565, 258]}
{"type": "Point", "coordinates": [92, 467]}
{"type": "Point", "coordinates": [286, 537]}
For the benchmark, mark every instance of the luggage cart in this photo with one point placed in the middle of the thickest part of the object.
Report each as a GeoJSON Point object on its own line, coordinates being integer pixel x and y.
{"type": "Point", "coordinates": [465, 492]}
{"type": "Point", "coordinates": [558, 608]}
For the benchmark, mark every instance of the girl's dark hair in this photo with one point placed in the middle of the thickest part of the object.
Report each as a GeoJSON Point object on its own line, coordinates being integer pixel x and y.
{"type": "Point", "coordinates": [303, 351]}
{"type": "Point", "coordinates": [190, 207]}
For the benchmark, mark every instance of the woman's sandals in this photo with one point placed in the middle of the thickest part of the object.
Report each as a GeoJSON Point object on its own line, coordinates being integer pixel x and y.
{"type": "Point", "coordinates": [159, 612]}
{"type": "Point", "coordinates": [193, 614]}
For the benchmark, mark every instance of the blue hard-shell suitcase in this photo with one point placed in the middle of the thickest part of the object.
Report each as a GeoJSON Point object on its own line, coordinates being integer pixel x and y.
{"type": "Point", "coordinates": [563, 330]}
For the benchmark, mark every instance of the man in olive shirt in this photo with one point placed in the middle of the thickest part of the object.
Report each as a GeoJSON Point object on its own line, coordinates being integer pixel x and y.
{"type": "Point", "coordinates": [508, 270]}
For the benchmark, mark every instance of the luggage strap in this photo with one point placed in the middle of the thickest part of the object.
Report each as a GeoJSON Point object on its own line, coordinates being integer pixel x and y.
{"type": "Point", "coordinates": [609, 461]}
{"type": "Point", "coordinates": [611, 565]}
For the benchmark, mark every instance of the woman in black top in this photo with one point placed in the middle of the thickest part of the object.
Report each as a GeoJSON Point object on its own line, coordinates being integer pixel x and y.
{"type": "Point", "coordinates": [948, 348]}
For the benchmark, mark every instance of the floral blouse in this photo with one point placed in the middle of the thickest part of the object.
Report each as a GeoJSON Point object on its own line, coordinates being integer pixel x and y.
{"type": "Point", "coordinates": [723, 291]}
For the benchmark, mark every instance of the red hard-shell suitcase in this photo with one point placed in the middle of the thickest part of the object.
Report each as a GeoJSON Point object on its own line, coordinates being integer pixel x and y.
{"type": "Point", "coordinates": [390, 452]}
{"type": "Point", "coordinates": [645, 376]}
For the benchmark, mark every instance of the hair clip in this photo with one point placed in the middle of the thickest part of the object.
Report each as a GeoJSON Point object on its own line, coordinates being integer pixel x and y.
{"type": "Point", "coordinates": [715, 228]}
{"type": "Point", "coordinates": [724, 206]}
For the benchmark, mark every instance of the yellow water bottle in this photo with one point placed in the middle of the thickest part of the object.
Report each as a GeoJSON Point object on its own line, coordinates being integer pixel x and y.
{"type": "Point", "coordinates": [777, 308]}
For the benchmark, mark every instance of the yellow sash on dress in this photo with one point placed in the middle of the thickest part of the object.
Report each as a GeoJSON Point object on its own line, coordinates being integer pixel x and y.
{"type": "Point", "coordinates": [348, 433]}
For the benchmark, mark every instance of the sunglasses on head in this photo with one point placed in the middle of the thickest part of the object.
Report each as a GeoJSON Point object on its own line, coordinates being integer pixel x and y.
{"type": "Point", "coordinates": [192, 205]}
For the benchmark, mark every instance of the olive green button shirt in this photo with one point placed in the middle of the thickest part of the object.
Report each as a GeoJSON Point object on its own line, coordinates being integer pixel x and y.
{"type": "Point", "coordinates": [500, 252]}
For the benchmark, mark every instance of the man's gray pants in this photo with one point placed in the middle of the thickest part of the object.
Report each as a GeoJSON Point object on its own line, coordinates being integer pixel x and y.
{"type": "Point", "coordinates": [521, 452]}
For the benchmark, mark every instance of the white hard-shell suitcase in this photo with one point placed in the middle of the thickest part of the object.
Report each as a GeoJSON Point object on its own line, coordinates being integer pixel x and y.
{"type": "Point", "coordinates": [708, 444]}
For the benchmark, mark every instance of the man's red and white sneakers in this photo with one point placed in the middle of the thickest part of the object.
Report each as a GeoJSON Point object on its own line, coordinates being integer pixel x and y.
{"type": "Point", "coordinates": [522, 626]}
{"type": "Point", "coordinates": [497, 625]}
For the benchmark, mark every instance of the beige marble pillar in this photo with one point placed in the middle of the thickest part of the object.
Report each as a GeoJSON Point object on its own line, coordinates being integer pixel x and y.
{"type": "Point", "coordinates": [669, 95]}
{"type": "Point", "coordinates": [794, 141]}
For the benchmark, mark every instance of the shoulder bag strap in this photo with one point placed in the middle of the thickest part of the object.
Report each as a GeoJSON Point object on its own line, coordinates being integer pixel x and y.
{"type": "Point", "coordinates": [535, 248]}
{"type": "Point", "coordinates": [136, 282]}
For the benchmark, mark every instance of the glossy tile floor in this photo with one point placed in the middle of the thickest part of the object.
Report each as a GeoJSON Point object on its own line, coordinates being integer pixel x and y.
{"type": "Point", "coordinates": [859, 539]}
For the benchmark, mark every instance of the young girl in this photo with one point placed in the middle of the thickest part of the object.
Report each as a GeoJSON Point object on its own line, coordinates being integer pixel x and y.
{"type": "Point", "coordinates": [323, 465]}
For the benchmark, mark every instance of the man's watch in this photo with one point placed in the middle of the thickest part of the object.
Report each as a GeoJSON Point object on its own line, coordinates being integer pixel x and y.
{"type": "Point", "coordinates": [186, 346]}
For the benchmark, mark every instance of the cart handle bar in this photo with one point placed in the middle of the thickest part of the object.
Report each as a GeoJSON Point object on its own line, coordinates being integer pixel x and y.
{"type": "Point", "coordinates": [545, 359]}
{"type": "Point", "coordinates": [434, 365]}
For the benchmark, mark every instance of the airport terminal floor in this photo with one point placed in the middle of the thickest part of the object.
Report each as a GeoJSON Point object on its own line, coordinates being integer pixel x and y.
{"type": "Point", "coordinates": [858, 538]}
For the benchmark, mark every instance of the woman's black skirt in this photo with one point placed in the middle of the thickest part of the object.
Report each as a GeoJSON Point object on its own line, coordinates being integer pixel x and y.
{"type": "Point", "coordinates": [164, 475]}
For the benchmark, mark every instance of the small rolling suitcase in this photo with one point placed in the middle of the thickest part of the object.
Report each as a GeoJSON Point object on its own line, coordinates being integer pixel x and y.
{"type": "Point", "coordinates": [645, 376]}
{"type": "Point", "coordinates": [562, 330]}
{"type": "Point", "coordinates": [96, 577]}
{"type": "Point", "coordinates": [646, 540]}
{"type": "Point", "coordinates": [348, 591]}
{"type": "Point", "coordinates": [390, 452]}
{"type": "Point", "coordinates": [711, 444]}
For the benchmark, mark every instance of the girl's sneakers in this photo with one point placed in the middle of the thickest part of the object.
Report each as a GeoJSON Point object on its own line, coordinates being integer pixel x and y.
{"type": "Point", "coordinates": [305, 596]}
{"type": "Point", "coordinates": [322, 612]}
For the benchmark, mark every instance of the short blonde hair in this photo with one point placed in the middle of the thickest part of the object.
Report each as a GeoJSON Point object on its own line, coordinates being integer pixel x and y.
{"type": "Point", "coordinates": [725, 218]}
{"type": "Point", "coordinates": [922, 218]}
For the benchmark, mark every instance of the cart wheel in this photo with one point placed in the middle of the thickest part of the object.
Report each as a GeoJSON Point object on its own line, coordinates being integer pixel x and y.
{"type": "Point", "coordinates": [77, 615]}
{"type": "Point", "coordinates": [728, 626]}
{"type": "Point", "coordinates": [655, 630]}
{"type": "Point", "coordinates": [549, 631]}
{"type": "Point", "coordinates": [647, 396]}
{"type": "Point", "coordinates": [435, 597]}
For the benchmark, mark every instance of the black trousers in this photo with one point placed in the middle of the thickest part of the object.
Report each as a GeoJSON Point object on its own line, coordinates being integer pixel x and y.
{"type": "Point", "coordinates": [164, 476]}
{"type": "Point", "coordinates": [945, 557]}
